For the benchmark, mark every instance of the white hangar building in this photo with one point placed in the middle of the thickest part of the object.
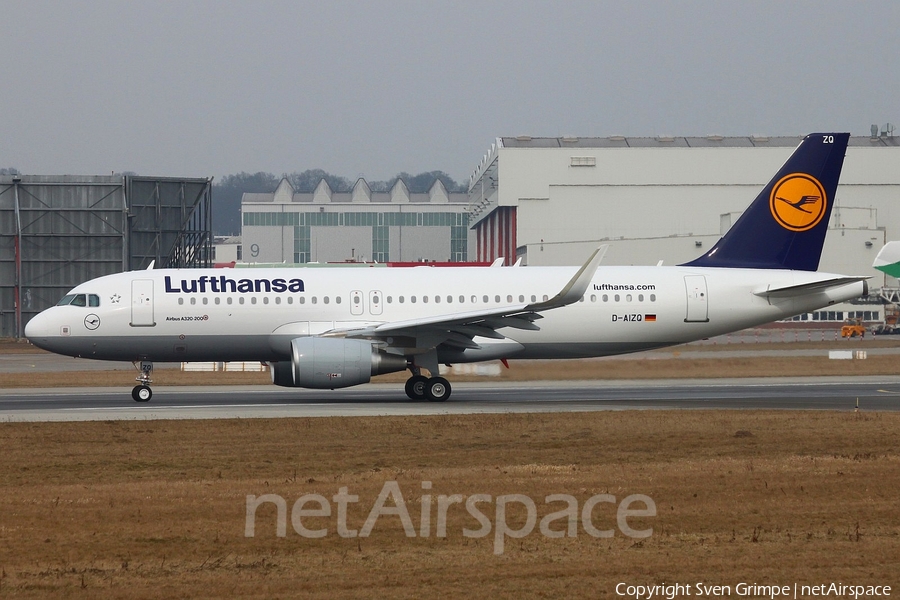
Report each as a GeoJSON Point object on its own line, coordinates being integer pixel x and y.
{"type": "Point", "coordinates": [286, 226]}
{"type": "Point", "coordinates": [549, 201]}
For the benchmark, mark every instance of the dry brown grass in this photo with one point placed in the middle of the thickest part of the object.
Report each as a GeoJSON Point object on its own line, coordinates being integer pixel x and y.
{"type": "Point", "coordinates": [156, 509]}
{"type": "Point", "coordinates": [642, 366]}
{"type": "Point", "coordinates": [560, 370]}
{"type": "Point", "coordinates": [43, 379]}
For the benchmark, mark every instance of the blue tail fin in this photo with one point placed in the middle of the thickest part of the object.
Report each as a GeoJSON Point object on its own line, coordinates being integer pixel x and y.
{"type": "Point", "coordinates": [785, 226]}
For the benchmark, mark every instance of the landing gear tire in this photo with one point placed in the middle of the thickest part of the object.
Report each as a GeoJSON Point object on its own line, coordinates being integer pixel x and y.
{"type": "Point", "coordinates": [437, 389]}
{"type": "Point", "coordinates": [142, 393]}
{"type": "Point", "coordinates": [415, 387]}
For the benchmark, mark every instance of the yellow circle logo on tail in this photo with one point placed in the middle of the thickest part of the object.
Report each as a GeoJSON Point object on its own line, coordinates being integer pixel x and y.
{"type": "Point", "coordinates": [798, 202]}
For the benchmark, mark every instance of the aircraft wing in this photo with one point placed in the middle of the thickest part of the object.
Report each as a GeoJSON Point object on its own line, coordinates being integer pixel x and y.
{"type": "Point", "coordinates": [459, 328]}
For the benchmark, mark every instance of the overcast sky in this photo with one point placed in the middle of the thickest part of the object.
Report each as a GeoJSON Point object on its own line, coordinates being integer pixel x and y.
{"type": "Point", "coordinates": [374, 88]}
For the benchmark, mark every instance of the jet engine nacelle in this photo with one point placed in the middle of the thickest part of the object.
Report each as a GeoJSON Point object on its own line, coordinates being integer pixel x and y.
{"type": "Point", "coordinates": [329, 363]}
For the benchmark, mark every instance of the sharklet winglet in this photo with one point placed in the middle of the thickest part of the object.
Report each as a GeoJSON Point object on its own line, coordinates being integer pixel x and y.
{"type": "Point", "coordinates": [577, 286]}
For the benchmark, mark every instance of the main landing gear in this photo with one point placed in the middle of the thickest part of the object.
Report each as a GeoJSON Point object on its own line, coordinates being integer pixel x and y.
{"type": "Point", "coordinates": [419, 387]}
{"type": "Point", "coordinates": [142, 391]}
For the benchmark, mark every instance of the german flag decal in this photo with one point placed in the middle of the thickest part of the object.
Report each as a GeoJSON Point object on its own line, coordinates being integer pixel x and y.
{"type": "Point", "coordinates": [650, 318]}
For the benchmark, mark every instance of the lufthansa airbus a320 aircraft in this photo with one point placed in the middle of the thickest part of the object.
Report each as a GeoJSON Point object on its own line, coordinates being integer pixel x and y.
{"type": "Point", "coordinates": [334, 328]}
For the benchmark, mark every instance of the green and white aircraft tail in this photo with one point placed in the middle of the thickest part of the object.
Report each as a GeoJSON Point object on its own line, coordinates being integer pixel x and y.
{"type": "Point", "coordinates": [888, 259]}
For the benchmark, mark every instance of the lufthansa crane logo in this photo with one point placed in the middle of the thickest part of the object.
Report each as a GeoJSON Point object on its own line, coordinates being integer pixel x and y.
{"type": "Point", "coordinates": [92, 322]}
{"type": "Point", "coordinates": [798, 202]}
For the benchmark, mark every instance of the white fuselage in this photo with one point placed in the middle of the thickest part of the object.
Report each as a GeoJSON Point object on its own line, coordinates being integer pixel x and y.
{"type": "Point", "coordinates": [252, 314]}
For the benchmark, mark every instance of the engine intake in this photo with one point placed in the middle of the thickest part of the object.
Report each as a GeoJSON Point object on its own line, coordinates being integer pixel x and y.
{"type": "Point", "coordinates": [329, 363]}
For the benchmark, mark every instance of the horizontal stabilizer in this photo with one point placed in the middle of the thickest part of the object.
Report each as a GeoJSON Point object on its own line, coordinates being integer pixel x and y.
{"type": "Point", "coordinates": [812, 287]}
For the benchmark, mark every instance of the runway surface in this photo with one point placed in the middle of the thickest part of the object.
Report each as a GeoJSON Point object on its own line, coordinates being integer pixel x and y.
{"type": "Point", "coordinates": [81, 404]}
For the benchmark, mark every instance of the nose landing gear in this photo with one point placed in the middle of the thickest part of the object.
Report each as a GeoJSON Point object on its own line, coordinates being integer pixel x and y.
{"type": "Point", "coordinates": [142, 392]}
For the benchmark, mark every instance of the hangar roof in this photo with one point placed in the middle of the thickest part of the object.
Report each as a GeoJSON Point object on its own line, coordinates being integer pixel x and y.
{"type": "Point", "coordinates": [665, 141]}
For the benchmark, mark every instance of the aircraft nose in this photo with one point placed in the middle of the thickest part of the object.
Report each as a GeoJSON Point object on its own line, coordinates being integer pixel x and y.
{"type": "Point", "coordinates": [36, 326]}
{"type": "Point", "coordinates": [41, 329]}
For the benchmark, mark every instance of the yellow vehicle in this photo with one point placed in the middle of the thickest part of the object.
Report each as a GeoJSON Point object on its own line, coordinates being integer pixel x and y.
{"type": "Point", "coordinates": [853, 328]}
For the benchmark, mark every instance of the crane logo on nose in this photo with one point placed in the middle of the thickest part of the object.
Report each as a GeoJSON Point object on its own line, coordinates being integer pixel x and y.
{"type": "Point", "coordinates": [92, 322]}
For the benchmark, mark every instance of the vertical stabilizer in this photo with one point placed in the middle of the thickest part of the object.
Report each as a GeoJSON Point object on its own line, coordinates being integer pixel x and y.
{"type": "Point", "coordinates": [888, 259]}
{"type": "Point", "coordinates": [784, 228]}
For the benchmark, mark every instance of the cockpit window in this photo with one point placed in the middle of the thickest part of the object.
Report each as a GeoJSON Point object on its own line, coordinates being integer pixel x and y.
{"type": "Point", "coordinates": [80, 300]}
